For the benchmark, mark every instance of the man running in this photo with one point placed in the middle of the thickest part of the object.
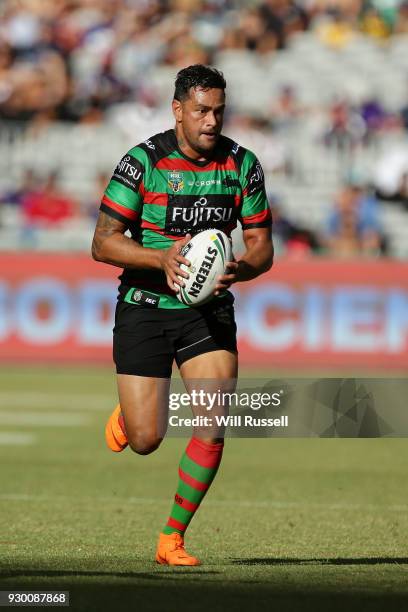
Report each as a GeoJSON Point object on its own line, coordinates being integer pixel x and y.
{"type": "Point", "coordinates": [155, 193]}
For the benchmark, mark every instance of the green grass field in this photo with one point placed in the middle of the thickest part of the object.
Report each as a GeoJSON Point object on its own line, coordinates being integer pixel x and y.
{"type": "Point", "coordinates": [289, 524]}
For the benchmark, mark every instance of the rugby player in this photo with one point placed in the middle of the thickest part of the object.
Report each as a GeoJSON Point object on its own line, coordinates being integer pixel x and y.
{"type": "Point", "coordinates": [164, 190]}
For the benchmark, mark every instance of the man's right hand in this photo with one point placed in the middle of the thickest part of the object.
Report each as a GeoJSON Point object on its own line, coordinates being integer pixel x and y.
{"type": "Point", "coordinates": [171, 261]}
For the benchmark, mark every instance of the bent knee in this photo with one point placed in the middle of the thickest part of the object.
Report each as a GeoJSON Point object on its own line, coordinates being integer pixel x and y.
{"type": "Point", "coordinates": [143, 444]}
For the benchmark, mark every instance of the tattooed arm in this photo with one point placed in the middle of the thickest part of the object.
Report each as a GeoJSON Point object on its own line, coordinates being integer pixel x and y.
{"type": "Point", "coordinates": [110, 245]}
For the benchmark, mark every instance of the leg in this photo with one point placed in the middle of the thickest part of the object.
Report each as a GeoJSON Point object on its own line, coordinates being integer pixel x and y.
{"type": "Point", "coordinates": [143, 356]}
{"type": "Point", "coordinates": [211, 363]}
{"type": "Point", "coordinates": [216, 370]}
{"type": "Point", "coordinates": [144, 406]}
{"type": "Point", "coordinates": [220, 365]}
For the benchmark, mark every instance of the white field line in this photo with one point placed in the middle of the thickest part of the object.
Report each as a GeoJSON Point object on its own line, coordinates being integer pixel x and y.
{"type": "Point", "coordinates": [43, 419]}
{"type": "Point", "coordinates": [216, 503]}
{"type": "Point", "coordinates": [15, 438]}
{"type": "Point", "coordinates": [45, 399]}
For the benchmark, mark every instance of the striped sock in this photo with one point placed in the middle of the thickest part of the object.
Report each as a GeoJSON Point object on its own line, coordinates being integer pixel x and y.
{"type": "Point", "coordinates": [197, 469]}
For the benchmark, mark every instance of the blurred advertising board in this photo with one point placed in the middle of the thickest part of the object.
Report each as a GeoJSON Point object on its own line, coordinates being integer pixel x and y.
{"type": "Point", "coordinates": [314, 313]}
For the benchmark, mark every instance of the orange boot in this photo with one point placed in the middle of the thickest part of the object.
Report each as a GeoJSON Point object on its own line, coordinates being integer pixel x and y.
{"type": "Point", "coordinates": [171, 551]}
{"type": "Point", "coordinates": [114, 431]}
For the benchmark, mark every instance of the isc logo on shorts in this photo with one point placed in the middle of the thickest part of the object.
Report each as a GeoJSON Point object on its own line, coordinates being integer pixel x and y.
{"type": "Point", "coordinates": [143, 298]}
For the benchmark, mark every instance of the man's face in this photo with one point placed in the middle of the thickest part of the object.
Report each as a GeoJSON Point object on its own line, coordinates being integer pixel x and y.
{"type": "Point", "coordinates": [200, 118]}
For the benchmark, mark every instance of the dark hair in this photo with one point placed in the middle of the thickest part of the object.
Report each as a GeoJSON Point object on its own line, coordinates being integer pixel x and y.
{"type": "Point", "coordinates": [197, 75]}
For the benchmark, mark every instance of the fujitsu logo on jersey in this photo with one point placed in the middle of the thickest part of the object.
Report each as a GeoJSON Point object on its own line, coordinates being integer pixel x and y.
{"type": "Point", "coordinates": [193, 213]}
{"type": "Point", "coordinates": [257, 174]}
{"type": "Point", "coordinates": [256, 179]}
{"type": "Point", "coordinates": [200, 213]}
{"type": "Point", "coordinates": [127, 168]}
{"type": "Point", "coordinates": [129, 172]}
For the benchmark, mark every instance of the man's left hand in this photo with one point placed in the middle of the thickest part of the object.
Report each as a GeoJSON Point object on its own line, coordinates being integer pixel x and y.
{"type": "Point", "coordinates": [225, 281]}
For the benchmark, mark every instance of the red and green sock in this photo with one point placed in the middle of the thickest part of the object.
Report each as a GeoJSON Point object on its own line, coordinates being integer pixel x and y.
{"type": "Point", "coordinates": [198, 467]}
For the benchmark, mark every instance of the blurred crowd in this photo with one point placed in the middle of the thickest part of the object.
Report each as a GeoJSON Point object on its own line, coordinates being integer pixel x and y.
{"type": "Point", "coordinates": [74, 60]}
{"type": "Point", "coordinates": [71, 59]}
{"type": "Point", "coordinates": [352, 228]}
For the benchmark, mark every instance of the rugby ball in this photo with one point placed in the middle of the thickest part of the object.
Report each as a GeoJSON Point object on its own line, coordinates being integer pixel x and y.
{"type": "Point", "coordinates": [208, 253]}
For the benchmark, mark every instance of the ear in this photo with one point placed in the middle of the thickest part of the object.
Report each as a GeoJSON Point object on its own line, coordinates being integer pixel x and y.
{"type": "Point", "coordinates": [177, 110]}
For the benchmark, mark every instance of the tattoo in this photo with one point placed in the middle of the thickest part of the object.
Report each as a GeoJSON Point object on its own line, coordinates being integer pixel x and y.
{"type": "Point", "coordinates": [106, 226]}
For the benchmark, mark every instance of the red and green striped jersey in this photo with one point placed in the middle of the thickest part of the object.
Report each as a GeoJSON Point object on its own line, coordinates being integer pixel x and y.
{"type": "Point", "coordinates": [162, 195]}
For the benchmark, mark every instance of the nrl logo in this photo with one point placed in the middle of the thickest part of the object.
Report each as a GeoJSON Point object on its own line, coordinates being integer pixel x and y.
{"type": "Point", "coordinates": [137, 295]}
{"type": "Point", "coordinates": [175, 181]}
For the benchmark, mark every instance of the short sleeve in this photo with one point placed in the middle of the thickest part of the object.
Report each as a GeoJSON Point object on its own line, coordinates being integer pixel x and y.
{"type": "Point", "coordinates": [255, 211]}
{"type": "Point", "coordinates": [123, 197]}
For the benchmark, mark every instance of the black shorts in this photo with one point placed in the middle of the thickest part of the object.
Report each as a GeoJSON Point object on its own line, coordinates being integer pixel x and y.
{"type": "Point", "coordinates": [147, 340]}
